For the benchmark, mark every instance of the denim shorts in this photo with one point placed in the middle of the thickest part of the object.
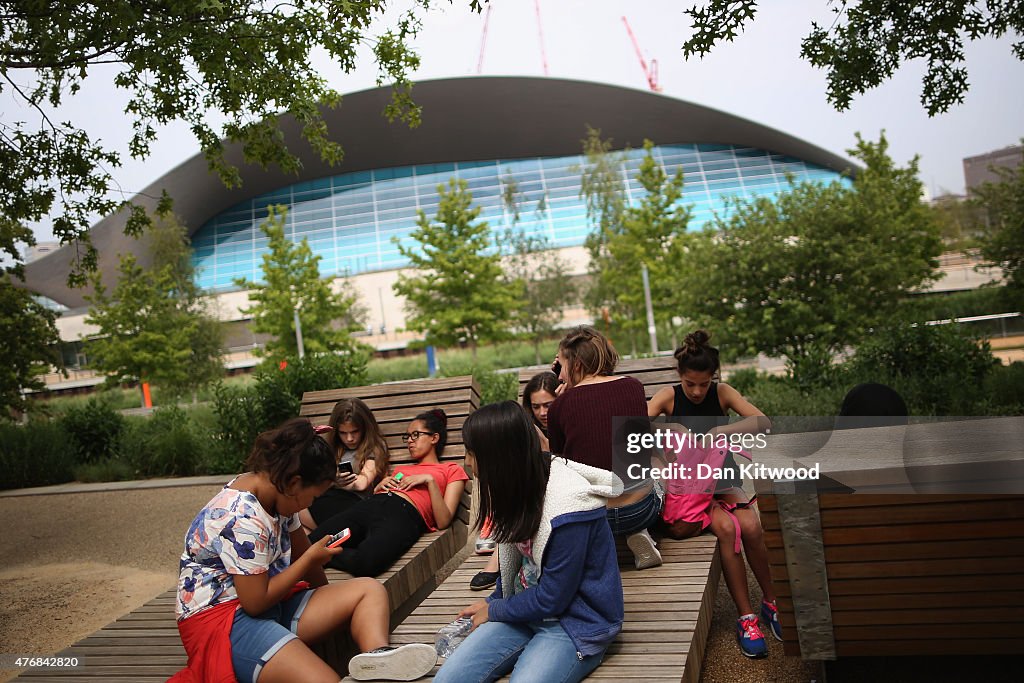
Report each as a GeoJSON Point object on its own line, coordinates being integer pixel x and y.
{"type": "Point", "coordinates": [640, 515]}
{"type": "Point", "coordinates": [254, 640]}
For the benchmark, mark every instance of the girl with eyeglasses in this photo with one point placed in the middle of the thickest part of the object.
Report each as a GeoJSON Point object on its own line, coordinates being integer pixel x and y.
{"type": "Point", "coordinates": [415, 498]}
{"type": "Point", "coordinates": [362, 457]}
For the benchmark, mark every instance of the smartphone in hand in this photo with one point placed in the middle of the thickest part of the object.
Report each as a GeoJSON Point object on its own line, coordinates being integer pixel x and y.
{"type": "Point", "coordinates": [556, 368]}
{"type": "Point", "coordinates": [345, 468]}
{"type": "Point", "coordinates": [339, 538]}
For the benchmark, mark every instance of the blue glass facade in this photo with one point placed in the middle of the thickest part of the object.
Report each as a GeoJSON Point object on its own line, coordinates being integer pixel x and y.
{"type": "Point", "coordinates": [350, 219]}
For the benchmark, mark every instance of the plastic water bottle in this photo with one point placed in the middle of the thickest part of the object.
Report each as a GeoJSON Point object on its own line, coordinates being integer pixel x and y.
{"type": "Point", "coordinates": [452, 635]}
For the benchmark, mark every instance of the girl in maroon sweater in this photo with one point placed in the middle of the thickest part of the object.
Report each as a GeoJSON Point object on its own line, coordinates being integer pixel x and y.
{"type": "Point", "coordinates": [580, 428]}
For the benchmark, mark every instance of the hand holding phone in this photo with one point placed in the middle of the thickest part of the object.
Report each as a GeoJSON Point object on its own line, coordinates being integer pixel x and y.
{"type": "Point", "coordinates": [345, 468]}
{"type": "Point", "coordinates": [556, 368]}
{"type": "Point", "coordinates": [339, 538]}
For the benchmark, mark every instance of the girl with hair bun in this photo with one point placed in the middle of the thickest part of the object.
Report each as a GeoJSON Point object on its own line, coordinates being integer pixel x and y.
{"type": "Point", "coordinates": [252, 594]}
{"type": "Point", "coordinates": [702, 404]}
{"type": "Point", "coordinates": [412, 499]}
{"type": "Point", "coordinates": [358, 442]}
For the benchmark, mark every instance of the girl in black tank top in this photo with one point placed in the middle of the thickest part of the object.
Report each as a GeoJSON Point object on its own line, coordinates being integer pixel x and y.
{"type": "Point", "coordinates": [702, 404]}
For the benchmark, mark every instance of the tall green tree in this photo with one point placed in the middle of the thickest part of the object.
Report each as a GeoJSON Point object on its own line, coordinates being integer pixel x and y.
{"type": "Point", "coordinates": [651, 234]}
{"type": "Point", "coordinates": [1002, 239]}
{"type": "Point", "coordinates": [141, 337]}
{"type": "Point", "coordinates": [457, 290]}
{"type": "Point", "coordinates": [542, 276]}
{"type": "Point", "coordinates": [29, 345]}
{"type": "Point", "coordinates": [154, 325]}
{"type": "Point", "coordinates": [170, 247]}
{"type": "Point", "coordinates": [870, 39]}
{"type": "Point", "coordinates": [809, 272]}
{"type": "Point", "coordinates": [328, 309]}
{"type": "Point", "coordinates": [603, 189]}
{"type": "Point", "coordinates": [244, 63]}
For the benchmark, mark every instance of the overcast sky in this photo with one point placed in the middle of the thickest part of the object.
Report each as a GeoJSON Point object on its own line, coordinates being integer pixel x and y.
{"type": "Point", "coordinates": [759, 77]}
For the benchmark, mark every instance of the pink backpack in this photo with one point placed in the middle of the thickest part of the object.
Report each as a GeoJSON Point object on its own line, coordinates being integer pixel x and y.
{"type": "Point", "coordinates": [690, 497]}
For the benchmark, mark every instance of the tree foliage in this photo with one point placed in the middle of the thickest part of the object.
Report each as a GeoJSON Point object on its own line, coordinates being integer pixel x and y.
{"type": "Point", "coordinates": [870, 39]}
{"type": "Point", "coordinates": [537, 271]}
{"type": "Point", "coordinates": [808, 272]}
{"type": "Point", "coordinates": [328, 310]}
{"type": "Point", "coordinates": [154, 326]}
{"type": "Point", "coordinates": [457, 292]}
{"type": "Point", "coordinates": [141, 337]}
{"type": "Point", "coordinates": [1002, 240]}
{"type": "Point", "coordinates": [651, 234]}
{"type": "Point", "coordinates": [603, 189]}
{"type": "Point", "coordinates": [242, 62]}
{"type": "Point", "coordinates": [28, 344]}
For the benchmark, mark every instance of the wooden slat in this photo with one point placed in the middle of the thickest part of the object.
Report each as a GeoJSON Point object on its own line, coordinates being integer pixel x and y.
{"type": "Point", "coordinates": [668, 612]}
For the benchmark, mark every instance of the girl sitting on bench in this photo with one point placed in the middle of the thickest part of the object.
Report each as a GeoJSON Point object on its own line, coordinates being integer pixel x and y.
{"type": "Point", "coordinates": [252, 594]}
{"type": "Point", "coordinates": [412, 500]}
{"type": "Point", "coordinates": [703, 406]}
{"type": "Point", "coordinates": [559, 603]}
{"type": "Point", "coordinates": [362, 457]}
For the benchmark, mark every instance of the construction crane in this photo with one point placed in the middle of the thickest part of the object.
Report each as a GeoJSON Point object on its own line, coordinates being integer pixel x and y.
{"type": "Point", "coordinates": [650, 72]}
{"type": "Point", "coordinates": [483, 39]}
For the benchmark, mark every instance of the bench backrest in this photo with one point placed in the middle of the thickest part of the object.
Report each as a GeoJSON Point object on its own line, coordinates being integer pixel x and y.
{"type": "Point", "coordinates": [396, 403]}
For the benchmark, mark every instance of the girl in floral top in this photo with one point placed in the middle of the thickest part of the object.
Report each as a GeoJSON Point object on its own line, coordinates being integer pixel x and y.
{"type": "Point", "coordinates": [252, 593]}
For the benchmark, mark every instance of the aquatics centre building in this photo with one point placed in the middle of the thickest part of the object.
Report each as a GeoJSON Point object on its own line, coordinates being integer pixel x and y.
{"type": "Point", "coordinates": [487, 131]}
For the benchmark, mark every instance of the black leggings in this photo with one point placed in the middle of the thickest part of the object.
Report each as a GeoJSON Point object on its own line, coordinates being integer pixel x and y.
{"type": "Point", "coordinates": [383, 527]}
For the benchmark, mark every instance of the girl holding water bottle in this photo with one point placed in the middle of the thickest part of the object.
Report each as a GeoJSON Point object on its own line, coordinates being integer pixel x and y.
{"type": "Point", "coordinates": [558, 603]}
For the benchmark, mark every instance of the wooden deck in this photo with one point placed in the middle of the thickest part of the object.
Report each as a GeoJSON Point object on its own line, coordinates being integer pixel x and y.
{"type": "Point", "coordinates": [144, 645]}
{"type": "Point", "coordinates": [668, 612]}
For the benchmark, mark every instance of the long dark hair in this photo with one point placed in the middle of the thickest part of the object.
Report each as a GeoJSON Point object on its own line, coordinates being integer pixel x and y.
{"type": "Point", "coordinates": [513, 472]}
{"type": "Point", "coordinates": [293, 449]}
{"type": "Point", "coordinates": [543, 381]}
{"type": "Point", "coordinates": [697, 354]}
{"type": "Point", "coordinates": [437, 422]}
{"type": "Point", "coordinates": [372, 444]}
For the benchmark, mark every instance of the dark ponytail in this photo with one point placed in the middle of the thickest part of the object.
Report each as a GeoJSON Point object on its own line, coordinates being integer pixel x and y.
{"type": "Point", "coordinates": [293, 449]}
{"type": "Point", "coordinates": [697, 354]}
{"type": "Point", "coordinates": [436, 422]}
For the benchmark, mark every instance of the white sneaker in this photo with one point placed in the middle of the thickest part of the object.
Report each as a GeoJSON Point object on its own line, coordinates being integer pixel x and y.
{"type": "Point", "coordinates": [405, 663]}
{"type": "Point", "coordinates": [645, 551]}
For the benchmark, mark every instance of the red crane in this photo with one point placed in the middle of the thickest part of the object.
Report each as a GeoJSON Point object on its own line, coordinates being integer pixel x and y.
{"type": "Point", "coordinates": [483, 39]}
{"type": "Point", "coordinates": [650, 72]}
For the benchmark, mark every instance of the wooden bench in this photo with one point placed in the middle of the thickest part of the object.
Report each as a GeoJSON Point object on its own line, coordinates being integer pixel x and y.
{"type": "Point", "coordinates": [892, 571]}
{"type": "Point", "coordinates": [668, 608]}
{"type": "Point", "coordinates": [144, 645]}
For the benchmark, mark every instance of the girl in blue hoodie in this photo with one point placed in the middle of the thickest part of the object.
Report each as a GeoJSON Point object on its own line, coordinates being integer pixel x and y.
{"type": "Point", "coordinates": [558, 603]}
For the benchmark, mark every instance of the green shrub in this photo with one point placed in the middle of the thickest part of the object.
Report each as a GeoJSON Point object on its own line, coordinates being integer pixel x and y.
{"type": "Point", "coordinates": [497, 386]}
{"type": "Point", "coordinates": [938, 369]}
{"type": "Point", "coordinates": [93, 429]}
{"type": "Point", "coordinates": [36, 454]}
{"type": "Point", "coordinates": [108, 469]}
{"type": "Point", "coordinates": [1005, 389]}
{"type": "Point", "coordinates": [168, 443]}
{"type": "Point", "coordinates": [239, 419]}
{"type": "Point", "coordinates": [744, 379]}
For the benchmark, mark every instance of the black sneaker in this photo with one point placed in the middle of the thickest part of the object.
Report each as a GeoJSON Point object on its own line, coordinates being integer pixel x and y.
{"type": "Point", "coordinates": [483, 581]}
{"type": "Point", "coordinates": [405, 663]}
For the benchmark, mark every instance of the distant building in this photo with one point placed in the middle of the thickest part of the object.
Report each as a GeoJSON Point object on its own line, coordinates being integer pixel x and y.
{"type": "Point", "coordinates": [978, 169]}
{"type": "Point", "coordinates": [40, 249]}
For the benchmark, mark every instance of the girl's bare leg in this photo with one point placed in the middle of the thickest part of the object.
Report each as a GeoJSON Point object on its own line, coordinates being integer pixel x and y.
{"type": "Point", "coordinates": [360, 603]}
{"type": "Point", "coordinates": [296, 662]}
{"type": "Point", "coordinates": [732, 562]}
{"type": "Point", "coordinates": [753, 541]}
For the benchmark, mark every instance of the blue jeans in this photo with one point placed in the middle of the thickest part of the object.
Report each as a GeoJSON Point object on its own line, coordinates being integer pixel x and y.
{"type": "Point", "coordinates": [637, 516]}
{"type": "Point", "coordinates": [539, 652]}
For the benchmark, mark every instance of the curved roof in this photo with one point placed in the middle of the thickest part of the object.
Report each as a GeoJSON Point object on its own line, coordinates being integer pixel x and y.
{"type": "Point", "coordinates": [464, 119]}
